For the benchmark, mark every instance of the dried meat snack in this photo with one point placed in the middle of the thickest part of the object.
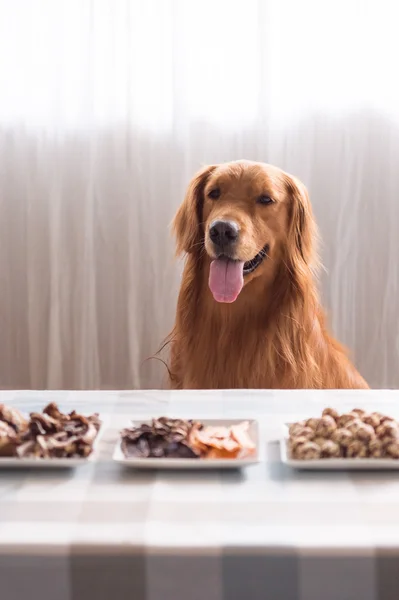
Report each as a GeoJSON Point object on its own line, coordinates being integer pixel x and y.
{"type": "Point", "coordinates": [392, 449]}
{"type": "Point", "coordinates": [365, 433]}
{"type": "Point", "coordinates": [387, 429]}
{"type": "Point", "coordinates": [177, 438]}
{"type": "Point", "coordinates": [298, 441]}
{"type": "Point", "coordinates": [49, 434]}
{"type": "Point", "coordinates": [13, 417]}
{"type": "Point", "coordinates": [295, 428]}
{"type": "Point", "coordinates": [357, 449]}
{"type": "Point", "coordinates": [307, 451]}
{"type": "Point", "coordinates": [373, 419]}
{"type": "Point", "coordinates": [376, 448]}
{"type": "Point", "coordinates": [354, 426]}
{"type": "Point", "coordinates": [8, 439]}
{"type": "Point", "coordinates": [344, 419]}
{"type": "Point", "coordinates": [319, 440]}
{"type": "Point", "coordinates": [307, 432]}
{"type": "Point", "coordinates": [358, 412]}
{"type": "Point", "coordinates": [226, 442]}
{"type": "Point", "coordinates": [164, 438]}
{"type": "Point", "coordinates": [326, 426]}
{"type": "Point", "coordinates": [343, 437]}
{"type": "Point", "coordinates": [355, 434]}
{"type": "Point", "coordinates": [240, 433]}
{"type": "Point", "coordinates": [330, 449]}
{"type": "Point", "coordinates": [330, 412]}
{"type": "Point", "coordinates": [312, 423]}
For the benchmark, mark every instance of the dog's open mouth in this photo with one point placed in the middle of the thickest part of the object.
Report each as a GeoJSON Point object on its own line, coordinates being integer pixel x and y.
{"type": "Point", "coordinates": [254, 263]}
{"type": "Point", "coordinates": [226, 276]}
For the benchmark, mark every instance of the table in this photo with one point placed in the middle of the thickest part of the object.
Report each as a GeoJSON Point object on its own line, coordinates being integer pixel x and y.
{"type": "Point", "coordinates": [100, 532]}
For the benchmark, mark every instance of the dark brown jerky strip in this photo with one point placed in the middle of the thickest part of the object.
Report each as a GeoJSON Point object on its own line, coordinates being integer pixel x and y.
{"type": "Point", "coordinates": [164, 438]}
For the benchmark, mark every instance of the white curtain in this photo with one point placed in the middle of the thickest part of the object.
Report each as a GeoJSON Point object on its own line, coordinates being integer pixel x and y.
{"type": "Point", "coordinates": [107, 108]}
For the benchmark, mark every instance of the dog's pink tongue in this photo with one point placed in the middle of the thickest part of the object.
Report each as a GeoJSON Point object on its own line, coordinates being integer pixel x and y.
{"type": "Point", "coordinates": [226, 279]}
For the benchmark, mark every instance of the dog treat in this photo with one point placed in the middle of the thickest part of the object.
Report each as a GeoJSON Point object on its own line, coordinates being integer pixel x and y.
{"type": "Point", "coordinates": [13, 417]}
{"type": "Point", "coordinates": [376, 449]}
{"type": "Point", "coordinates": [312, 423]}
{"type": "Point", "coordinates": [373, 419]}
{"type": "Point", "coordinates": [357, 449]}
{"type": "Point", "coordinates": [319, 440]}
{"type": "Point", "coordinates": [8, 439]}
{"type": "Point", "coordinates": [343, 437]}
{"type": "Point", "coordinates": [296, 428]}
{"type": "Point", "coordinates": [330, 412]}
{"type": "Point", "coordinates": [344, 419]}
{"type": "Point", "coordinates": [386, 418]}
{"type": "Point", "coordinates": [177, 438]}
{"type": "Point", "coordinates": [326, 426]}
{"type": "Point", "coordinates": [164, 438]}
{"type": "Point", "coordinates": [50, 434]}
{"type": "Point", "coordinates": [387, 429]}
{"type": "Point", "coordinates": [354, 426]}
{"type": "Point", "coordinates": [297, 441]}
{"type": "Point", "coordinates": [393, 449]}
{"type": "Point", "coordinates": [358, 412]}
{"type": "Point", "coordinates": [355, 434]}
{"type": "Point", "coordinates": [307, 451]}
{"type": "Point", "coordinates": [387, 440]}
{"type": "Point", "coordinates": [306, 432]}
{"type": "Point", "coordinates": [365, 432]}
{"type": "Point", "coordinates": [330, 449]}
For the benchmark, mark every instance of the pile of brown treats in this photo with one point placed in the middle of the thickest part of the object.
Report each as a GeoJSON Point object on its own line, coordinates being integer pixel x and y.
{"type": "Point", "coordinates": [163, 438]}
{"type": "Point", "coordinates": [356, 434]}
{"type": "Point", "coordinates": [49, 434]}
{"type": "Point", "coordinates": [179, 438]}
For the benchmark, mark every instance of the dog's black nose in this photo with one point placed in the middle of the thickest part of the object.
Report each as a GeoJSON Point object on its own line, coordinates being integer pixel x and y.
{"type": "Point", "coordinates": [223, 233]}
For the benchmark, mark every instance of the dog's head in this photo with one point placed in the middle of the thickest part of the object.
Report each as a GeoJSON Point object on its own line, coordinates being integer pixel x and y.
{"type": "Point", "coordinates": [248, 216]}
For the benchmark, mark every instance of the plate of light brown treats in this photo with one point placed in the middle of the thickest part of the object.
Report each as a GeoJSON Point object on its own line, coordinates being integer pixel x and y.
{"type": "Point", "coordinates": [354, 440]}
{"type": "Point", "coordinates": [170, 443]}
{"type": "Point", "coordinates": [49, 438]}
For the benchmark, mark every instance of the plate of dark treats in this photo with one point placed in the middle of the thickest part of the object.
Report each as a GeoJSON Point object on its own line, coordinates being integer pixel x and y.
{"type": "Point", "coordinates": [172, 443]}
{"type": "Point", "coordinates": [49, 438]}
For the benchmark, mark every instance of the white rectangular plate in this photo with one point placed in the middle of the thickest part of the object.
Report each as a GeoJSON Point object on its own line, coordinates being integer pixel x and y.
{"type": "Point", "coordinates": [334, 464]}
{"type": "Point", "coordinates": [195, 463]}
{"type": "Point", "coordinates": [50, 463]}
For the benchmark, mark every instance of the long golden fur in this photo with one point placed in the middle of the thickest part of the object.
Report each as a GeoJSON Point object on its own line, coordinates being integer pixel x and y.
{"type": "Point", "coordinates": [274, 334]}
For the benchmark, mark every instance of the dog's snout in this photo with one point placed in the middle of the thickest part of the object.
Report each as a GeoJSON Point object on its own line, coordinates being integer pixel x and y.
{"type": "Point", "coordinates": [223, 233]}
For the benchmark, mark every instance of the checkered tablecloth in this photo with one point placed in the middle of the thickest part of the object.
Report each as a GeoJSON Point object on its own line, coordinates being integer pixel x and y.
{"type": "Point", "coordinates": [101, 532]}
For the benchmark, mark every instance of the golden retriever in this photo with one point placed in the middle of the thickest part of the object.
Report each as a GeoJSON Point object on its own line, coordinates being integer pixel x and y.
{"type": "Point", "coordinates": [248, 312]}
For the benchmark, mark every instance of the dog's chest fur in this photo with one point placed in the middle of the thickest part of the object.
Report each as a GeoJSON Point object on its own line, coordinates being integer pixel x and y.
{"type": "Point", "coordinates": [225, 353]}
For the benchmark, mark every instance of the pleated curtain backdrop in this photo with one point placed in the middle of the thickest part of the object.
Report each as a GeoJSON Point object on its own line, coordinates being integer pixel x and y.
{"type": "Point", "coordinates": [108, 107]}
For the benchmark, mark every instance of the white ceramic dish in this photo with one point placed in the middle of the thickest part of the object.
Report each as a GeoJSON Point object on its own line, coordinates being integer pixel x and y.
{"type": "Point", "coordinates": [334, 464]}
{"type": "Point", "coordinates": [193, 463]}
{"type": "Point", "coordinates": [51, 463]}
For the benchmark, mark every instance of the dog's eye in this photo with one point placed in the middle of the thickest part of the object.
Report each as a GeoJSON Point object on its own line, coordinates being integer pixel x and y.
{"type": "Point", "coordinates": [214, 194]}
{"type": "Point", "coordinates": [265, 200]}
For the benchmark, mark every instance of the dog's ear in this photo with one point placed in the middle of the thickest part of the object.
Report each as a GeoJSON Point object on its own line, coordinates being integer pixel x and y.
{"type": "Point", "coordinates": [187, 224]}
{"type": "Point", "coordinates": [302, 229]}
